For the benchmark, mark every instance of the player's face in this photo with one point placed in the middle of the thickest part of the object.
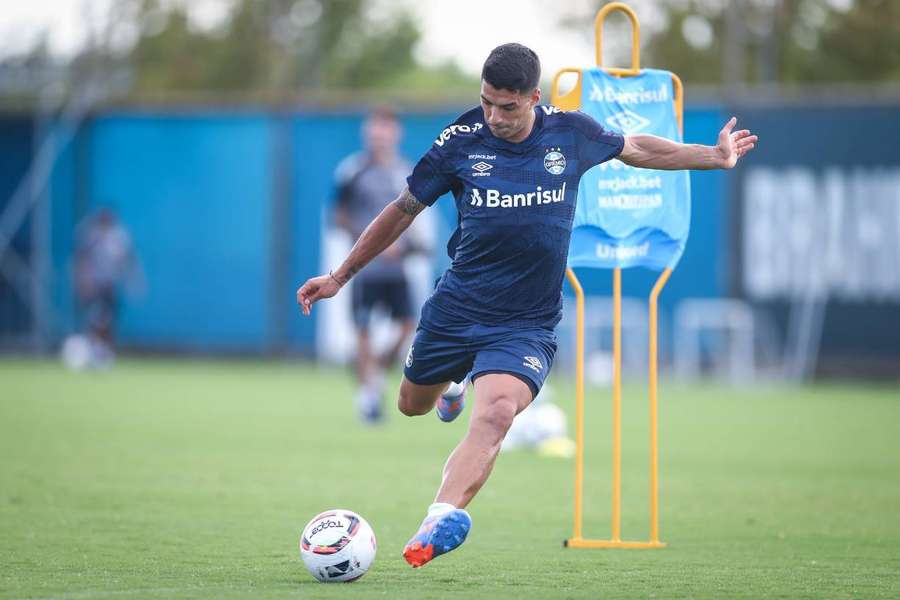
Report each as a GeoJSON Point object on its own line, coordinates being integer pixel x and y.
{"type": "Point", "coordinates": [508, 114]}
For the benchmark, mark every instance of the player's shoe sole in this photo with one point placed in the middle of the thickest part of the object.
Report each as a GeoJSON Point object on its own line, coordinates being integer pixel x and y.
{"type": "Point", "coordinates": [437, 535]}
{"type": "Point", "coordinates": [450, 407]}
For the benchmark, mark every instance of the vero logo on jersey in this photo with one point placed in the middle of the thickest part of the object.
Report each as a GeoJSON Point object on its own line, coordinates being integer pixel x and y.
{"type": "Point", "coordinates": [455, 129]}
{"type": "Point", "coordinates": [494, 199]}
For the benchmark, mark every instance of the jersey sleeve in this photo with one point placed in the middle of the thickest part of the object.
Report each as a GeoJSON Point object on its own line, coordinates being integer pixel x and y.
{"type": "Point", "coordinates": [431, 177]}
{"type": "Point", "coordinates": [596, 144]}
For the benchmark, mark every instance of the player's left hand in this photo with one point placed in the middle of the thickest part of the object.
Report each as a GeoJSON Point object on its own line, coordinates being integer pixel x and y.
{"type": "Point", "coordinates": [315, 289]}
{"type": "Point", "coordinates": [732, 145]}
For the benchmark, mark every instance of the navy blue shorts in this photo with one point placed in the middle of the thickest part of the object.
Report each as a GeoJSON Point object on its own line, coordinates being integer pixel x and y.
{"type": "Point", "coordinates": [392, 295]}
{"type": "Point", "coordinates": [526, 353]}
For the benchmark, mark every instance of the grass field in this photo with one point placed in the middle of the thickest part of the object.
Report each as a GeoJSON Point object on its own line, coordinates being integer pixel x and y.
{"type": "Point", "coordinates": [171, 479]}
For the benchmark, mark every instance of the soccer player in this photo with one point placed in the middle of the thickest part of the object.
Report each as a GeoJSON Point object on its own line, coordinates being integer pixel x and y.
{"type": "Point", "coordinates": [513, 167]}
{"type": "Point", "coordinates": [367, 182]}
{"type": "Point", "coordinates": [104, 260]}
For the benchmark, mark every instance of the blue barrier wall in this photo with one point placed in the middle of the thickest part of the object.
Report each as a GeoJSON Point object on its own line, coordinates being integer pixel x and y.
{"type": "Point", "coordinates": [194, 191]}
{"type": "Point", "coordinates": [68, 187]}
{"type": "Point", "coordinates": [320, 142]}
{"type": "Point", "coordinates": [226, 212]}
{"type": "Point", "coordinates": [16, 135]}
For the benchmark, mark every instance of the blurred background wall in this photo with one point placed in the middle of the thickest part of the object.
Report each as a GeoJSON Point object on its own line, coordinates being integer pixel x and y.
{"type": "Point", "coordinates": [214, 136]}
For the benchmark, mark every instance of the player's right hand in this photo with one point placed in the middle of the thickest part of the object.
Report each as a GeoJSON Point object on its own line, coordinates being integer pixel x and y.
{"type": "Point", "coordinates": [315, 289]}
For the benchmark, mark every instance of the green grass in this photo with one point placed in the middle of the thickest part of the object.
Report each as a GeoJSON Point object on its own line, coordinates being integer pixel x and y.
{"type": "Point", "coordinates": [193, 479]}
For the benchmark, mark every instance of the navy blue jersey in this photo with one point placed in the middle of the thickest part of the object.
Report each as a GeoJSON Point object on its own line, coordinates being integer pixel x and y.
{"type": "Point", "coordinates": [516, 204]}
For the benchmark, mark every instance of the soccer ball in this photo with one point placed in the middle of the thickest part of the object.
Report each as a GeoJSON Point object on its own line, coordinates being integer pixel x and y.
{"type": "Point", "coordinates": [337, 545]}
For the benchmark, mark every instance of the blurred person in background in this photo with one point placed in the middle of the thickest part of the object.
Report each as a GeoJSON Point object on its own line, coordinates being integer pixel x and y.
{"type": "Point", "coordinates": [104, 261]}
{"type": "Point", "coordinates": [366, 183]}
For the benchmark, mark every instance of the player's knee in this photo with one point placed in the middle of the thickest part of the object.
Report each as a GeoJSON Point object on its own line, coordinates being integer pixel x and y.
{"type": "Point", "coordinates": [407, 404]}
{"type": "Point", "coordinates": [498, 417]}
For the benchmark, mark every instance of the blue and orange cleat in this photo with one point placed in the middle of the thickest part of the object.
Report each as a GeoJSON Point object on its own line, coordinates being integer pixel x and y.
{"type": "Point", "coordinates": [437, 535]}
{"type": "Point", "coordinates": [450, 406]}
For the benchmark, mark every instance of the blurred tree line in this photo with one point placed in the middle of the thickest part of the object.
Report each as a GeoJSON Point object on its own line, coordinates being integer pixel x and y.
{"type": "Point", "coordinates": [279, 46]}
{"type": "Point", "coordinates": [765, 41]}
{"type": "Point", "coordinates": [259, 49]}
{"type": "Point", "coordinates": [353, 49]}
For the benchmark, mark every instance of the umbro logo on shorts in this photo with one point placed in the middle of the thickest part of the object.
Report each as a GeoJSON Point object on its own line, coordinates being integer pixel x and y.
{"type": "Point", "coordinates": [409, 357]}
{"type": "Point", "coordinates": [533, 362]}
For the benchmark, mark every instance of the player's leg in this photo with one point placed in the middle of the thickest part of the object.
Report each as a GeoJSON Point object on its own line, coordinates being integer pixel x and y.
{"type": "Point", "coordinates": [101, 317]}
{"type": "Point", "coordinates": [363, 355]}
{"type": "Point", "coordinates": [369, 395]}
{"type": "Point", "coordinates": [508, 374]}
{"type": "Point", "coordinates": [499, 397]}
{"type": "Point", "coordinates": [416, 399]}
{"type": "Point", "coordinates": [432, 363]}
{"type": "Point", "coordinates": [452, 401]}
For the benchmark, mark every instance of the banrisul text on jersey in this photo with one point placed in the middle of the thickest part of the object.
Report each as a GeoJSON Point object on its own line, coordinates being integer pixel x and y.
{"type": "Point", "coordinates": [515, 204]}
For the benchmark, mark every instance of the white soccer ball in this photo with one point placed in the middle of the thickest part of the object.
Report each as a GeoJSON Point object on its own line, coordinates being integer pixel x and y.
{"type": "Point", "coordinates": [76, 352]}
{"type": "Point", "coordinates": [536, 424]}
{"type": "Point", "coordinates": [337, 545]}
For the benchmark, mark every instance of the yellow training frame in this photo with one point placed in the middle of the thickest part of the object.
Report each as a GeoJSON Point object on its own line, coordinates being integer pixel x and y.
{"type": "Point", "coordinates": [572, 101]}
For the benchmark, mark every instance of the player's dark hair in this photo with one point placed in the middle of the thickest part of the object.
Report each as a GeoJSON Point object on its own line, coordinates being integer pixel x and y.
{"type": "Point", "coordinates": [512, 67]}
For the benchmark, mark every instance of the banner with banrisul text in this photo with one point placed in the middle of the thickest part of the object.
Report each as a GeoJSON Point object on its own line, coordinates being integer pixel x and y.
{"type": "Point", "coordinates": [627, 216]}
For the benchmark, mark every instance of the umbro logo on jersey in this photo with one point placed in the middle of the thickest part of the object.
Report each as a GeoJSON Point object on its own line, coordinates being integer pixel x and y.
{"type": "Point", "coordinates": [533, 362]}
{"type": "Point", "coordinates": [482, 168]}
{"type": "Point", "coordinates": [494, 199]}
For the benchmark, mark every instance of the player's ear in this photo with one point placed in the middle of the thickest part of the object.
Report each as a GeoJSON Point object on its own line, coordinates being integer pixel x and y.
{"type": "Point", "coordinates": [536, 96]}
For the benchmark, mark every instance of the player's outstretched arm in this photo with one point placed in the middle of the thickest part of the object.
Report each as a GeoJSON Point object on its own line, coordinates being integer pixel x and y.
{"type": "Point", "coordinates": [381, 233]}
{"type": "Point", "coordinates": [652, 152]}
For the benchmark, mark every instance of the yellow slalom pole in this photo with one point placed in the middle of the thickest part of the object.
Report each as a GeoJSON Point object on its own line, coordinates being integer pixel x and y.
{"type": "Point", "coordinates": [635, 36]}
{"type": "Point", "coordinates": [579, 400]}
{"type": "Point", "coordinates": [617, 406]}
{"type": "Point", "coordinates": [654, 448]}
{"type": "Point", "coordinates": [572, 101]}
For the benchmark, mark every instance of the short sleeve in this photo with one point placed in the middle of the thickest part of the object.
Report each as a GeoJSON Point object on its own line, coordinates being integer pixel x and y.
{"type": "Point", "coordinates": [596, 144]}
{"type": "Point", "coordinates": [430, 179]}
